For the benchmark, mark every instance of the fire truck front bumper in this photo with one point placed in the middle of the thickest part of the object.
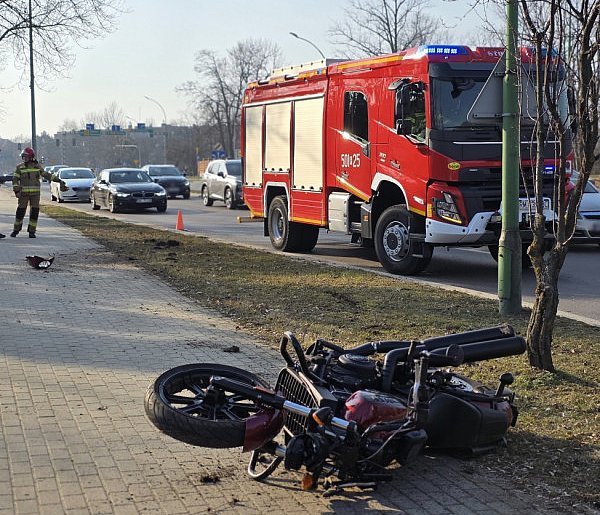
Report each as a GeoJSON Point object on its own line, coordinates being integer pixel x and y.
{"type": "Point", "coordinates": [478, 231]}
{"type": "Point", "coordinates": [484, 229]}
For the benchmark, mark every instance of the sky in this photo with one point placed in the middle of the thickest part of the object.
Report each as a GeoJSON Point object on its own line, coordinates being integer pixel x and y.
{"type": "Point", "coordinates": [152, 52]}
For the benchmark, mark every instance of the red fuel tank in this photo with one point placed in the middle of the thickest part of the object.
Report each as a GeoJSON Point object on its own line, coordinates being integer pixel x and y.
{"type": "Point", "coordinates": [366, 407]}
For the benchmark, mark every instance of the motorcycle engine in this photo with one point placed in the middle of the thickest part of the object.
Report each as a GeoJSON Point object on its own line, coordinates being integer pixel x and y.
{"type": "Point", "coordinates": [353, 372]}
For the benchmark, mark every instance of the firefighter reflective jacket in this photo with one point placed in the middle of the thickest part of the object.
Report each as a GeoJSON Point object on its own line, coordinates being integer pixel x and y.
{"type": "Point", "coordinates": [27, 177]}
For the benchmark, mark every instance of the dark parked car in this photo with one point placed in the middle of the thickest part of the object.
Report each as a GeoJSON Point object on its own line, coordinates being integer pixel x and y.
{"type": "Point", "coordinates": [170, 178]}
{"type": "Point", "coordinates": [222, 180]}
{"type": "Point", "coordinates": [127, 188]}
{"type": "Point", "coordinates": [6, 177]}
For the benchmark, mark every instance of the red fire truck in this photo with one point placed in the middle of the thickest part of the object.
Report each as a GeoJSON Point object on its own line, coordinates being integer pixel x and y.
{"type": "Point", "coordinates": [401, 151]}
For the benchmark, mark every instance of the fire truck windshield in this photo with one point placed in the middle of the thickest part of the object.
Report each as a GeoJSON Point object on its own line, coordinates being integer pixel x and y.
{"type": "Point", "coordinates": [452, 98]}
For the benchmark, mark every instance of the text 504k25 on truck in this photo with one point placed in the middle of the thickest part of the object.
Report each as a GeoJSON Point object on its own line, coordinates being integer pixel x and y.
{"type": "Point", "coordinates": [402, 151]}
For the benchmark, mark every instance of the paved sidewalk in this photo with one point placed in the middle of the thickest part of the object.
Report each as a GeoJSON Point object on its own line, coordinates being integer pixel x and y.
{"type": "Point", "coordinates": [80, 342]}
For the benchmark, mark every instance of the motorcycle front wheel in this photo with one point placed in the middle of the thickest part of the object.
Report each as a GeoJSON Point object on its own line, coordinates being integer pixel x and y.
{"type": "Point", "coordinates": [182, 404]}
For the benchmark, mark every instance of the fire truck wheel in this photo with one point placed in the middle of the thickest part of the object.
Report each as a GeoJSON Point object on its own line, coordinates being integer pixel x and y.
{"type": "Point", "coordinates": [310, 235]}
{"type": "Point", "coordinates": [284, 235]}
{"type": "Point", "coordinates": [393, 245]}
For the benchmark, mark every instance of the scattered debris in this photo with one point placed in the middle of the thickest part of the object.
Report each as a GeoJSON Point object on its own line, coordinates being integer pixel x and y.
{"type": "Point", "coordinates": [40, 262]}
{"type": "Point", "coordinates": [210, 478]}
{"type": "Point", "coordinates": [233, 348]}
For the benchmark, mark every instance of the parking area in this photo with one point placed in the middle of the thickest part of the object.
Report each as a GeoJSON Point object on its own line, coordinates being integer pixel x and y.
{"type": "Point", "coordinates": [81, 341]}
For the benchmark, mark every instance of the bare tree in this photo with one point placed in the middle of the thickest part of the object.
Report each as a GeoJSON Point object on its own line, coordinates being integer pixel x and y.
{"type": "Point", "coordinates": [570, 29]}
{"type": "Point", "coordinates": [56, 24]}
{"type": "Point", "coordinates": [112, 115]}
{"type": "Point", "coordinates": [375, 27]}
{"type": "Point", "coordinates": [217, 93]}
{"type": "Point", "coordinates": [69, 125]}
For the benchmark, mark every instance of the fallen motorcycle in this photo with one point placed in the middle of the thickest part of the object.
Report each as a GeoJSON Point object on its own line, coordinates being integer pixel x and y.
{"type": "Point", "coordinates": [344, 415]}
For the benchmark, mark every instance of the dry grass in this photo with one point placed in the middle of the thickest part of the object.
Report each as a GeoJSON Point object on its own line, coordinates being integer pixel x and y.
{"type": "Point", "coordinates": [554, 448]}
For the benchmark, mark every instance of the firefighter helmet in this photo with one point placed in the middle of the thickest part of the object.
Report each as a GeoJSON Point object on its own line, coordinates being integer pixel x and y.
{"type": "Point", "coordinates": [28, 154]}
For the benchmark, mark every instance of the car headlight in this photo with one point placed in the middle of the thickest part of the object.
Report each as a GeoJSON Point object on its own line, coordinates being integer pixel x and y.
{"type": "Point", "coordinates": [120, 194]}
{"type": "Point", "coordinates": [186, 182]}
{"type": "Point", "coordinates": [161, 193]}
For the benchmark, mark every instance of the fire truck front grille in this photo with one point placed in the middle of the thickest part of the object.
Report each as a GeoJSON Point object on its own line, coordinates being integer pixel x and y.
{"type": "Point", "coordinates": [293, 389]}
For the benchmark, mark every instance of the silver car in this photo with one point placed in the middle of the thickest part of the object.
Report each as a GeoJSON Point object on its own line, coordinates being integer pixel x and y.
{"type": "Point", "coordinates": [587, 229]}
{"type": "Point", "coordinates": [79, 182]}
{"type": "Point", "coordinates": [222, 180]}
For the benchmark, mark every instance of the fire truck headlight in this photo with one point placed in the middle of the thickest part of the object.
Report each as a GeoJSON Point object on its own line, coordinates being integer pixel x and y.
{"type": "Point", "coordinates": [446, 208]}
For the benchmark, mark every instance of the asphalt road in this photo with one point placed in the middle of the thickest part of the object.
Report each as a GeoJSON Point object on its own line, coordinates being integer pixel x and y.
{"type": "Point", "coordinates": [455, 268]}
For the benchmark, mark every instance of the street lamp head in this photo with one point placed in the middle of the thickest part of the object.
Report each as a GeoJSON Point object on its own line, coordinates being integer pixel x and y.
{"type": "Point", "coordinates": [309, 42]}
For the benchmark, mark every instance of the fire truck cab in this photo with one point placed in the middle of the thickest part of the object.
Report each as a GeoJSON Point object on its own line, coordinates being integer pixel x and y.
{"type": "Point", "coordinates": [402, 152]}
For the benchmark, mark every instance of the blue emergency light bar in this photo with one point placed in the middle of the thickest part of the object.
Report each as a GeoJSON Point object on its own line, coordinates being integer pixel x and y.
{"type": "Point", "coordinates": [445, 50]}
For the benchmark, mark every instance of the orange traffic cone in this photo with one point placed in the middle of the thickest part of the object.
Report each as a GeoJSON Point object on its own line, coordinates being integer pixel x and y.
{"type": "Point", "coordinates": [179, 224]}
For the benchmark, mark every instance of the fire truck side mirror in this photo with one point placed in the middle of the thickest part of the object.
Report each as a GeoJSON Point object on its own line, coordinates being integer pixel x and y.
{"type": "Point", "coordinates": [404, 127]}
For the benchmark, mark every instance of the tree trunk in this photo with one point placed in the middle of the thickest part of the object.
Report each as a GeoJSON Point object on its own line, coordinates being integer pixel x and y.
{"type": "Point", "coordinates": [543, 315]}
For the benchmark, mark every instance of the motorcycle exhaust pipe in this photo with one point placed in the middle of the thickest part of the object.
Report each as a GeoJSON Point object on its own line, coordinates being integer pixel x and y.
{"type": "Point", "coordinates": [437, 342]}
{"type": "Point", "coordinates": [476, 351]}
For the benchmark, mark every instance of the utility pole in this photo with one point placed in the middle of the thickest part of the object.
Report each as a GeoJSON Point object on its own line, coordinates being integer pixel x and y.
{"type": "Point", "coordinates": [510, 247]}
{"type": "Point", "coordinates": [32, 81]}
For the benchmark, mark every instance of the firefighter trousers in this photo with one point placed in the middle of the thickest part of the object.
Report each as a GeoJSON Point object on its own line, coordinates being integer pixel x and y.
{"type": "Point", "coordinates": [25, 199]}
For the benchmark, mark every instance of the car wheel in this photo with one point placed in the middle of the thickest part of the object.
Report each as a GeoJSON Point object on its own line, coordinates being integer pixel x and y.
{"type": "Point", "coordinates": [394, 247]}
{"type": "Point", "coordinates": [229, 200]}
{"type": "Point", "coordinates": [162, 208]}
{"type": "Point", "coordinates": [95, 206]}
{"type": "Point", "coordinates": [186, 195]}
{"type": "Point", "coordinates": [112, 205]}
{"type": "Point", "coordinates": [206, 200]}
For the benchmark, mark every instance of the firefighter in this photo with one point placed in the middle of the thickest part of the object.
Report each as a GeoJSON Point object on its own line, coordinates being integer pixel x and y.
{"type": "Point", "coordinates": [26, 186]}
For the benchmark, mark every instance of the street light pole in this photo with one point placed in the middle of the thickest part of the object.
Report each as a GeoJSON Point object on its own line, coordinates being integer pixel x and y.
{"type": "Point", "coordinates": [32, 81]}
{"type": "Point", "coordinates": [161, 108]}
{"type": "Point", "coordinates": [309, 42]}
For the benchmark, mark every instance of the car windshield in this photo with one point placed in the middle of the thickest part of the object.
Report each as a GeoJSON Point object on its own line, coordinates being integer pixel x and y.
{"type": "Point", "coordinates": [129, 176]}
{"type": "Point", "coordinates": [234, 168]}
{"type": "Point", "coordinates": [79, 173]}
{"type": "Point", "coordinates": [171, 171]}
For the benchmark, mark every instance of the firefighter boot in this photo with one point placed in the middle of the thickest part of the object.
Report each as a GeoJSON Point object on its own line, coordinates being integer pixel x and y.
{"type": "Point", "coordinates": [18, 221]}
{"type": "Point", "coordinates": [33, 218]}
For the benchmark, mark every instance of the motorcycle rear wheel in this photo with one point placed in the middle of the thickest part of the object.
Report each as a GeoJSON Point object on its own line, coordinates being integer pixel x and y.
{"type": "Point", "coordinates": [176, 404]}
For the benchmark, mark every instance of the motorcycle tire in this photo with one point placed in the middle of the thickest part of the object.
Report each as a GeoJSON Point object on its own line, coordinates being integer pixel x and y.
{"type": "Point", "coordinates": [173, 404]}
